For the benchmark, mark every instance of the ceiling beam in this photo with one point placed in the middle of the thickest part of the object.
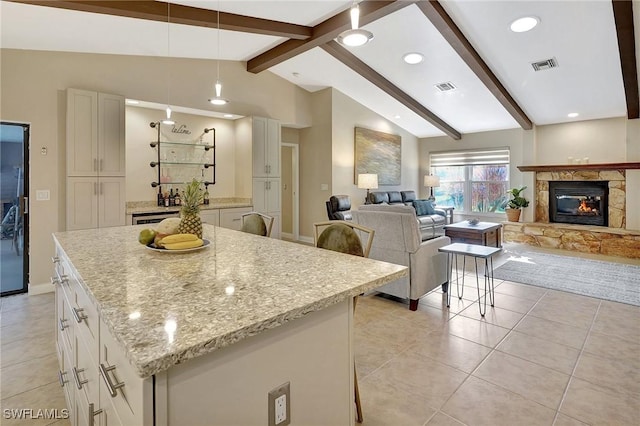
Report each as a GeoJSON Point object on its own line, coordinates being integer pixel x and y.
{"type": "Point", "coordinates": [365, 71]}
{"type": "Point", "coordinates": [450, 31]}
{"type": "Point", "coordinates": [623, 16]}
{"type": "Point", "coordinates": [324, 32]}
{"type": "Point", "coordinates": [180, 14]}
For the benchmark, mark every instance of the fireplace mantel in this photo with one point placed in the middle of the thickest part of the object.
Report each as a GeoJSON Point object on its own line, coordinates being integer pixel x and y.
{"type": "Point", "coordinates": [561, 167]}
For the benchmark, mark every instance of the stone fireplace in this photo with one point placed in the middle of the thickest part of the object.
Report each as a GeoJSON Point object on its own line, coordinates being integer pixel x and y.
{"type": "Point", "coordinates": [579, 208]}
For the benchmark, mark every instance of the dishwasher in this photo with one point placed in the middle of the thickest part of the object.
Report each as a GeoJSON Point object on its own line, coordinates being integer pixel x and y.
{"type": "Point", "coordinates": [152, 217]}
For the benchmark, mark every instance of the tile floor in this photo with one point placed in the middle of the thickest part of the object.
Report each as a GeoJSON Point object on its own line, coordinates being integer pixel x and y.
{"type": "Point", "coordinates": [540, 357]}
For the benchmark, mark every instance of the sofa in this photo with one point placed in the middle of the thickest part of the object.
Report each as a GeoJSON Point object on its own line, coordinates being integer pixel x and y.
{"type": "Point", "coordinates": [339, 207]}
{"type": "Point", "coordinates": [431, 220]}
{"type": "Point", "coordinates": [398, 240]}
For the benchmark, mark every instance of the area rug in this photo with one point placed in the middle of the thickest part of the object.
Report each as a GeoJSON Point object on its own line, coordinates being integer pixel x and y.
{"type": "Point", "coordinates": [604, 280]}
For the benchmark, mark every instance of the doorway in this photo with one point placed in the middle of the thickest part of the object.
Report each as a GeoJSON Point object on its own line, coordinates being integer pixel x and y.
{"type": "Point", "coordinates": [14, 209]}
{"type": "Point", "coordinates": [290, 229]}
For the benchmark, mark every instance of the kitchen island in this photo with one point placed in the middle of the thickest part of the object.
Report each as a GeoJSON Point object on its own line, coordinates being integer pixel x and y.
{"type": "Point", "coordinates": [201, 337]}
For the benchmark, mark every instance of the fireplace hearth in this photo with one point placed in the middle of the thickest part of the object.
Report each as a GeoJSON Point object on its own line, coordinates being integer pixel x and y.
{"type": "Point", "coordinates": [579, 202]}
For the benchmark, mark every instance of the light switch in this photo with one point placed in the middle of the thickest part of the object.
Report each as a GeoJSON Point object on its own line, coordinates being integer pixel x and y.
{"type": "Point", "coordinates": [324, 187]}
{"type": "Point", "coordinates": [42, 195]}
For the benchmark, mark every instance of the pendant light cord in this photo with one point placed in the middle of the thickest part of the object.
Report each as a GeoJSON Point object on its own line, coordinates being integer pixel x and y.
{"type": "Point", "coordinates": [168, 51]}
{"type": "Point", "coordinates": [218, 55]}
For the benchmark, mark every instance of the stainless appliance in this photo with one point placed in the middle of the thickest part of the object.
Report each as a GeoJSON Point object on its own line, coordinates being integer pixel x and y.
{"type": "Point", "coordinates": [153, 217]}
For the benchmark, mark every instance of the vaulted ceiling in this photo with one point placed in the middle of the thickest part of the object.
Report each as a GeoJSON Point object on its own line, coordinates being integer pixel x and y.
{"type": "Point", "coordinates": [465, 43]}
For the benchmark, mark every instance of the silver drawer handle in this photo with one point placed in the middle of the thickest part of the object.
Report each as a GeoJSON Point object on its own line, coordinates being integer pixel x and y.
{"type": "Point", "coordinates": [113, 388]}
{"type": "Point", "coordinates": [63, 279]}
{"type": "Point", "coordinates": [76, 376]}
{"type": "Point", "coordinates": [61, 322]}
{"type": "Point", "coordinates": [55, 259]}
{"type": "Point", "coordinates": [61, 375]}
{"type": "Point", "coordinates": [92, 413]}
{"type": "Point", "coordinates": [78, 314]}
{"type": "Point", "coordinates": [55, 280]}
{"type": "Point", "coordinates": [235, 220]}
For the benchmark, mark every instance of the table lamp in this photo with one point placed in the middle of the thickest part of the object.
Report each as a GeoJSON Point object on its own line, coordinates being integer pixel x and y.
{"type": "Point", "coordinates": [431, 182]}
{"type": "Point", "coordinates": [367, 181]}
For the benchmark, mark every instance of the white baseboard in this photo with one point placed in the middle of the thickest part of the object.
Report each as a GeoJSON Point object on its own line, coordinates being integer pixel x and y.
{"type": "Point", "coordinates": [308, 240]}
{"type": "Point", "coordinates": [40, 288]}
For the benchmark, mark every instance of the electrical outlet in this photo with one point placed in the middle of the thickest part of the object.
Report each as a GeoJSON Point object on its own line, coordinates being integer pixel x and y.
{"type": "Point", "coordinates": [280, 406]}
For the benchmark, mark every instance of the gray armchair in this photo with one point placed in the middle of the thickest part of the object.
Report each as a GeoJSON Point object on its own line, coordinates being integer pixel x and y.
{"type": "Point", "coordinates": [398, 241]}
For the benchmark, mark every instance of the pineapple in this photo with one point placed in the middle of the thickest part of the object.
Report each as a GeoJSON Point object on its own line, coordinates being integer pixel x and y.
{"type": "Point", "coordinates": [190, 222]}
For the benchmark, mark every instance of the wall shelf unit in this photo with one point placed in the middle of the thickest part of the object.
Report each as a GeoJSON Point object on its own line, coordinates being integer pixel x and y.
{"type": "Point", "coordinates": [178, 163]}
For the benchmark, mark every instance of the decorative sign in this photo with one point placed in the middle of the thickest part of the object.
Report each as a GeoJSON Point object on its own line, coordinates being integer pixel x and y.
{"type": "Point", "coordinates": [380, 153]}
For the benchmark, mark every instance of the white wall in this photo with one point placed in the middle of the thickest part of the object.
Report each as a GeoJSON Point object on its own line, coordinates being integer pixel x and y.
{"type": "Point", "coordinates": [348, 114]}
{"type": "Point", "coordinates": [602, 141]}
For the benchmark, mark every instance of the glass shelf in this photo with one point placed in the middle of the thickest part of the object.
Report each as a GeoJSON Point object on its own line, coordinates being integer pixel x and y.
{"type": "Point", "coordinates": [155, 184]}
{"type": "Point", "coordinates": [185, 144]}
{"type": "Point", "coordinates": [180, 163]}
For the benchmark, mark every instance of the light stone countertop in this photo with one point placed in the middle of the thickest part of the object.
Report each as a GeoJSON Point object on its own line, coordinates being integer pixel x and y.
{"type": "Point", "coordinates": [134, 207]}
{"type": "Point", "coordinates": [238, 286]}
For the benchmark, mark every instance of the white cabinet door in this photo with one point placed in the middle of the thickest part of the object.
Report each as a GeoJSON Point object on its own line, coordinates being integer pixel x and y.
{"type": "Point", "coordinates": [212, 217]}
{"type": "Point", "coordinates": [111, 201]}
{"type": "Point", "coordinates": [266, 134]}
{"type": "Point", "coordinates": [266, 195]}
{"type": "Point", "coordinates": [273, 148]}
{"type": "Point", "coordinates": [111, 142]}
{"type": "Point", "coordinates": [82, 203]}
{"type": "Point", "coordinates": [259, 137]}
{"type": "Point", "coordinates": [273, 195]}
{"type": "Point", "coordinates": [232, 218]}
{"type": "Point", "coordinates": [82, 133]}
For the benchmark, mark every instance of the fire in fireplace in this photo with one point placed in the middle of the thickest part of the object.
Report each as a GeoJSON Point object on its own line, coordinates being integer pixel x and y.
{"type": "Point", "coordinates": [579, 202]}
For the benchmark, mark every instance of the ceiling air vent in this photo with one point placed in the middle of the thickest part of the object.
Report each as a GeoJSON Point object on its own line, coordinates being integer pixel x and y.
{"type": "Point", "coordinates": [445, 87]}
{"type": "Point", "coordinates": [544, 65]}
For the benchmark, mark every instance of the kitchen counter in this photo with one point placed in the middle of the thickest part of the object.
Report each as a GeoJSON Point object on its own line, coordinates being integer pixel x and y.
{"type": "Point", "coordinates": [134, 207]}
{"type": "Point", "coordinates": [166, 308]}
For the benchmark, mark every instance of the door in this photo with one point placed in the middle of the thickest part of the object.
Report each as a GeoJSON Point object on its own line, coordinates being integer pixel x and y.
{"type": "Point", "coordinates": [14, 184]}
{"type": "Point", "coordinates": [289, 191]}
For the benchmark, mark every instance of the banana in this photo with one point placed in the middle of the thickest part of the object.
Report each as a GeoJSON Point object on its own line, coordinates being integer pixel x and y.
{"type": "Point", "coordinates": [183, 244]}
{"type": "Point", "coordinates": [178, 238]}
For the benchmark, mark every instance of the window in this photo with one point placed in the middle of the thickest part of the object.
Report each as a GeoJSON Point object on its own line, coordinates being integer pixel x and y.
{"type": "Point", "coordinates": [472, 181]}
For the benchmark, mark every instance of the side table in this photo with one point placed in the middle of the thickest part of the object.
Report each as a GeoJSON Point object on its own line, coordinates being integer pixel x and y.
{"type": "Point", "coordinates": [483, 233]}
{"type": "Point", "coordinates": [476, 252]}
{"type": "Point", "coordinates": [448, 211]}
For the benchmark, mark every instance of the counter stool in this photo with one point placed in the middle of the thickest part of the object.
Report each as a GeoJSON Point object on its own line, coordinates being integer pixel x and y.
{"type": "Point", "coordinates": [257, 223]}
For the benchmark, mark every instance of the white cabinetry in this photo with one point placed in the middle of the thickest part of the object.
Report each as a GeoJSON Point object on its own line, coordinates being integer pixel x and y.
{"type": "Point", "coordinates": [266, 136]}
{"type": "Point", "coordinates": [99, 384]}
{"type": "Point", "coordinates": [95, 160]}
{"type": "Point", "coordinates": [232, 218]}
{"type": "Point", "coordinates": [266, 147]}
{"type": "Point", "coordinates": [210, 216]}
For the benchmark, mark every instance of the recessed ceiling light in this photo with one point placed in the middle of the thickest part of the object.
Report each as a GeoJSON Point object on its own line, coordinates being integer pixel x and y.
{"type": "Point", "coordinates": [572, 115]}
{"type": "Point", "coordinates": [228, 115]}
{"type": "Point", "coordinates": [413, 58]}
{"type": "Point", "coordinates": [396, 116]}
{"type": "Point", "coordinates": [524, 24]}
{"type": "Point", "coordinates": [132, 102]}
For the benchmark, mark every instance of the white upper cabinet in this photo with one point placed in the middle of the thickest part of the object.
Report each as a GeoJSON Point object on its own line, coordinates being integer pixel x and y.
{"type": "Point", "coordinates": [266, 147]}
{"type": "Point", "coordinates": [95, 134]}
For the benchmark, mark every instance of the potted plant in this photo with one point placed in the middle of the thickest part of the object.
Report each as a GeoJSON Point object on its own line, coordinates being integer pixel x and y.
{"type": "Point", "coordinates": [515, 203]}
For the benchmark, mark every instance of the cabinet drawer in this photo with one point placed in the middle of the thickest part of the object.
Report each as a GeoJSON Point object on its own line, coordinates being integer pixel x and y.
{"type": "Point", "coordinates": [128, 396]}
{"type": "Point", "coordinates": [85, 317]}
{"type": "Point", "coordinates": [64, 319]}
{"type": "Point", "coordinates": [232, 218]}
{"type": "Point", "coordinates": [67, 380]}
{"type": "Point", "coordinates": [85, 376]}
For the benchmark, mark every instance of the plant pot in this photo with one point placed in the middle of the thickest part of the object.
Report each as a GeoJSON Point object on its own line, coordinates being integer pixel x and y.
{"type": "Point", "coordinates": [513, 215]}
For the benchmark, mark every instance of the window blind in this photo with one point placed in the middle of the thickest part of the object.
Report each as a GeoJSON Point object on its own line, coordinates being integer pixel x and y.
{"type": "Point", "coordinates": [469, 157]}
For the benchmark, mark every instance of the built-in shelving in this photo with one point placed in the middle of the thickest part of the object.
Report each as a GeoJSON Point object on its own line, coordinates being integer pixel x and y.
{"type": "Point", "coordinates": [177, 162]}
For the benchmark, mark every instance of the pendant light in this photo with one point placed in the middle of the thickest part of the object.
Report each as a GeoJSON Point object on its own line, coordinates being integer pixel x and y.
{"type": "Point", "coordinates": [168, 120]}
{"type": "Point", "coordinates": [218, 99]}
{"type": "Point", "coordinates": [355, 36]}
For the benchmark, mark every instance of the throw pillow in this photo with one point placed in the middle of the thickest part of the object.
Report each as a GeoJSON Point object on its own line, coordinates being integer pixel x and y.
{"type": "Point", "coordinates": [423, 207]}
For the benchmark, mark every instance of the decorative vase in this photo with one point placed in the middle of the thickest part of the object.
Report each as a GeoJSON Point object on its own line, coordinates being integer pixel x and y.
{"type": "Point", "coordinates": [513, 215]}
